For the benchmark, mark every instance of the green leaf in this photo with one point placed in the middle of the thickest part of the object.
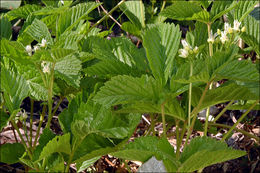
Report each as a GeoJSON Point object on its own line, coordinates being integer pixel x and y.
{"type": "Point", "coordinates": [252, 36]}
{"type": "Point", "coordinates": [245, 106]}
{"type": "Point", "coordinates": [243, 9]}
{"type": "Point", "coordinates": [69, 40]}
{"type": "Point", "coordinates": [135, 12]}
{"type": "Point", "coordinates": [15, 51]}
{"type": "Point", "coordinates": [6, 28]}
{"type": "Point", "coordinates": [238, 70]}
{"type": "Point", "coordinates": [46, 136]}
{"type": "Point", "coordinates": [131, 28]}
{"type": "Point", "coordinates": [256, 13]}
{"type": "Point", "coordinates": [199, 72]}
{"type": "Point", "coordinates": [66, 116]}
{"type": "Point", "coordinates": [59, 144]}
{"type": "Point", "coordinates": [219, 8]}
{"type": "Point", "coordinates": [120, 49]}
{"type": "Point", "coordinates": [71, 17]}
{"type": "Point", "coordinates": [4, 119]}
{"type": "Point", "coordinates": [95, 118]}
{"type": "Point", "coordinates": [144, 148]}
{"type": "Point", "coordinates": [161, 43]}
{"type": "Point", "coordinates": [68, 69]}
{"type": "Point", "coordinates": [38, 31]}
{"type": "Point", "coordinates": [204, 151]}
{"type": "Point", "coordinates": [111, 68]}
{"type": "Point", "coordinates": [223, 94]}
{"type": "Point", "coordinates": [198, 36]}
{"type": "Point", "coordinates": [181, 10]}
{"type": "Point", "coordinates": [23, 12]}
{"type": "Point", "coordinates": [10, 153]}
{"type": "Point", "coordinates": [85, 164]}
{"type": "Point", "coordinates": [127, 89]}
{"type": "Point", "coordinates": [15, 89]}
{"type": "Point", "coordinates": [171, 108]}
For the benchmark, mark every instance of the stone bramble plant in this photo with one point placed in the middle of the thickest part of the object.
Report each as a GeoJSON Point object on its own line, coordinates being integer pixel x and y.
{"type": "Point", "coordinates": [58, 53]}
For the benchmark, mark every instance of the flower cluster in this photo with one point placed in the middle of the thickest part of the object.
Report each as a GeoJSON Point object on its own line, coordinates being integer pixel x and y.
{"type": "Point", "coordinates": [31, 50]}
{"type": "Point", "coordinates": [228, 30]}
{"type": "Point", "coordinates": [45, 67]}
{"type": "Point", "coordinates": [187, 49]}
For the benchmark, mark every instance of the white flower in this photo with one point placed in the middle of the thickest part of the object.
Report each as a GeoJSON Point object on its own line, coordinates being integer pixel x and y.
{"type": "Point", "coordinates": [196, 50]}
{"type": "Point", "coordinates": [62, 2]}
{"type": "Point", "coordinates": [228, 28]}
{"type": "Point", "coordinates": [236, 25]}
{"type": "Point", "coordinates": [43, 43]}
{"type": "Point", "coordinates": [185, 45]}
{"type": "Point", "coordinates": [46, 69]}
{"type": "Point", "coordinates": [184, 53]}
{"type": "Point", "coordinates": [223, 37]}
{"type": "Point", "coordinates": [44, 63]}
{"type": "Point", "coordinates": [35, 48]}
{"type": "Point", "coordinates": [28, 49]}
{"type": "Point", "coordinates": [211, 38]}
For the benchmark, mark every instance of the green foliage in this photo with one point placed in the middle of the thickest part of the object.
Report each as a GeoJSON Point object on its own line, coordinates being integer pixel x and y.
{"type": "Point", "coordinates": [251, 36]}
{"type": "Point", "coordinates": [204, 151]}
{"type": "Point", "coordinates": [161, 43]}
{"type": "Point", "coordinates": [135, 12]}
{"type": "Point", "coordinates": [10, 153]}
{"type": "Point", "coordinates": [60, 144]}
{"type": "Point", "coordinates": [15, 89]}
{"type": "Point", "coordinates": [68, 69]}
{"type": "Point", "coordinates": [110, 83]}
{"type": "Point", "coordinates": [38, 31]}
{"type": "Point", "coordinates": [71, 17]}
{"type": "Point", "coordinates": [5, 30]}
{"type": "Point", "coordinates": [22, 12]}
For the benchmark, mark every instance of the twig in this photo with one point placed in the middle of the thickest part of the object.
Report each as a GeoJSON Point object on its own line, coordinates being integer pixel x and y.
{"type": "Point", "coordinates": [101, 6]}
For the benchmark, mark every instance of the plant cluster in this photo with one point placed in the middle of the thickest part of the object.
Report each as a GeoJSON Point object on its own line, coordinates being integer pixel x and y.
{"type": "Point", "coordinates": [110, 83]}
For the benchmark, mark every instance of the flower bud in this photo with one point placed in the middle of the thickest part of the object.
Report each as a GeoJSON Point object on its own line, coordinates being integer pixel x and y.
{"type": "Point", "coordinates": [243, 29]}
{"type": "Point", "coordinates": [28, 49]}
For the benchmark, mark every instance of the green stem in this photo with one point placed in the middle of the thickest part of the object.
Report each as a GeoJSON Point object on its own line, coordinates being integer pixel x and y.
{"type": "Point", "coordinates": [207, 116]}
{"type": "Point", "coordinates": [195, 112]}
{"type": "Point", "coordinates": [31, 120]}
{"type": "Point", "coordinates": [236, 129]}
{"type": "Point", "coordinates": [223, 111]}
{"type": "Point", "coordinates": [210, 44]}
{"type": "Point", "coordinates": [163, 5]}
{"type": "Point", "coordinates": [74, 148]}
{"type": "Point", "coordinates": [180, 140]}
{"type": "Point", "coordinates": [190, 93]}
{"type": "Point", "coordinates": [50, 88]}
{"type": "Point", "coordinates": [104, 17]}
{"type": "Point", "coordinates": [163, 120]}
{"type": "Point", "coordinates": [210, 87]}
{"type": "Point", "coordinates": [39, 126]}
{"type": "Point", "coordinates": [152, 123]}
{"type": "Point", "coordinates": [20, 135]}
{"type": "Point", "coordinates": [57, 106]}
{"type": "Point", "coordinates": [239, 120]}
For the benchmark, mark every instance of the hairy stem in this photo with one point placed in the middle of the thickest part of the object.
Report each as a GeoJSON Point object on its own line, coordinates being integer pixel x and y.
{"type": "Point", "coordinates": [190, 93]}
{"type": "Point", "coordinates": [163, 120]}
{"type": "Point", "coordinates": [223, 111]}
{"type": "Point", "coordinates": [50, 89]}
{"type": "Point", "coordinates": [239, 120]}
{"type": "Point", "coordinates": [153, 123]}
{"type": "Point", "coordinates": [195, 112]}
{"type": "Point", "coordinates": [210, 87]}
{"type": "Point", "coordinates": [23, 142]}
{"type": "Point", "coordinates": [39, 126]}
{"type": "Point", "coordinates": [31, 120]}
{"type": "Point", "coordinates": [236, 129]}
{"type": "Point", "coordinates": [57, 106]}
{"type": "Point", "coordinates": [163, 5]}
